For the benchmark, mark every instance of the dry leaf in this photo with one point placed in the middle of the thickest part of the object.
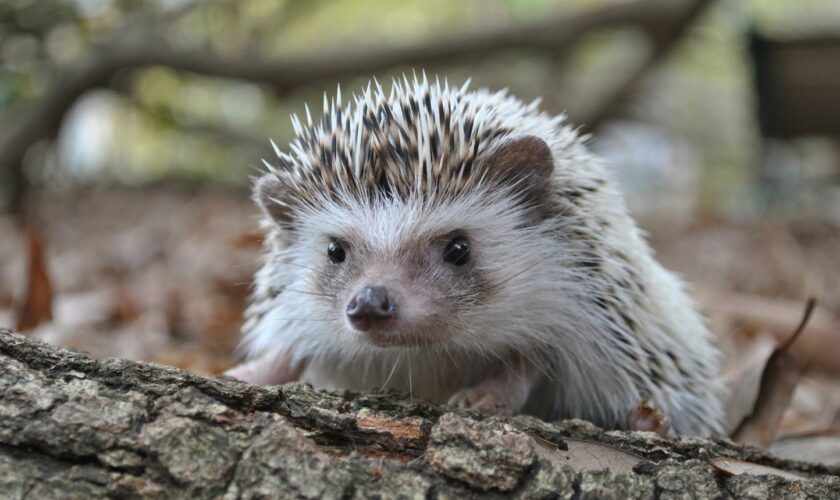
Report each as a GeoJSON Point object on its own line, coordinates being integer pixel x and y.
{"type": "Point", "coordinates": [820, 347]}
{"type": "Point", "coordinates": [587, 456]}
{"type": "Point", "coordinates": [124, 309]}
{"type": "Point", "coordinates": [735, 467]}
{"type": "Point", "coordinates": [743, 382]}
{"type": "Point", "coordinates": [37, 301]}
{"type": "Point", "coordinates": [814, 407]}
{"type": "Point", "coordinates": [823, 449]}
{"type": "Point", "coordinates": [779, 379]}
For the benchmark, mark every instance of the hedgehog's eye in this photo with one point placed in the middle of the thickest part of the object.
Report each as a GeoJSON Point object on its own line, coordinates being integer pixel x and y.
{"type": "Point", "coordinates": [457, 251]}
{"type": "Point", "coordinates": [336, 251]}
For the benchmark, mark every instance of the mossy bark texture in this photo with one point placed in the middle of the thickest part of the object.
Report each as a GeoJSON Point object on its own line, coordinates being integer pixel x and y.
{"type": "Point", "coordinates": [72, 426]}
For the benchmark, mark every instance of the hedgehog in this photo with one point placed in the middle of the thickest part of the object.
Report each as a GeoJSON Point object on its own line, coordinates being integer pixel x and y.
{"type": "Point", "coordinates": [466, 248]}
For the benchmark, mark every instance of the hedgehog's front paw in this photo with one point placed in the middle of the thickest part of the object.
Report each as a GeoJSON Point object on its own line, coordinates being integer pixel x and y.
{"type": "Point", "coordinates": [503, 393]}
{"type": "Point", "coordinates": [271, 369]}
{"type": "Point", "coordinates": [479, 399]}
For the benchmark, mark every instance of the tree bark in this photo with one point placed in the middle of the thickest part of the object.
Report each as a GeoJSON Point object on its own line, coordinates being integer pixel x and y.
{"type": "Point", "coordinates": [72, 426]}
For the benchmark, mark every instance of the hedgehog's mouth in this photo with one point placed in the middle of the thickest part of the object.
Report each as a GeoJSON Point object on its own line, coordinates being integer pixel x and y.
{"type": "Point", "coordinates": [391, 338]}
{"type": "Point", "coordinates": [397, 332]}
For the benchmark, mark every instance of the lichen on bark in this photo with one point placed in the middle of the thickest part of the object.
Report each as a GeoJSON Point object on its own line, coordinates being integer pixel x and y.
{"type": "Point", "coordinates": [75, 427]}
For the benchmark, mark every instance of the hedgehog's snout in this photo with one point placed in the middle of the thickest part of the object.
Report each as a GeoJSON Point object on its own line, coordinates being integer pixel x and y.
{"type": "Point", "coordinates": [371, 307]}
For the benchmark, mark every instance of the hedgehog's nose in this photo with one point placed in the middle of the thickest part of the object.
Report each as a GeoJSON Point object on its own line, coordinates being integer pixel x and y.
{"type": "Point", "coordinates": [371, 305]}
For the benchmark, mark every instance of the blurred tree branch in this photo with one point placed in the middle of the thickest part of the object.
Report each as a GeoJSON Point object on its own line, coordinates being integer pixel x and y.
{"type": "Point", "coordinates": [192, 125]}
{"type": "Point", "coordinates": [662, 21]}
{"type": "Point", "coordinates": [664, 40]}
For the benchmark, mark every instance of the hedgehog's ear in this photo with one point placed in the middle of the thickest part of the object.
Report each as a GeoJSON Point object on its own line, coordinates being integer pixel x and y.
{"type": "Point", "coordinates": [272, 197]}
{"type": "Point", "coordinates": [524, 161]}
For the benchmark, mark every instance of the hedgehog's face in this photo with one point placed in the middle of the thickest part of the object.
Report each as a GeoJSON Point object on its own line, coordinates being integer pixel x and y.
{"type": "Point", "coordinates": [416, 270]}
{"type": "Point", "coordinates": [398, 272]}
{"type": "Point", "coordinates": [406, 293]}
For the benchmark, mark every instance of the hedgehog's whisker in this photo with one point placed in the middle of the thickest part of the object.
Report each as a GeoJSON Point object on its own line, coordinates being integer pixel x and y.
{"type": "Point", "coordinates": [324, 320]}
{"type": "Point", "coordinates": [310, 293]}
{"type": "Point", "coordinates": [516, 275]}
{"type": "Point", "coordinates": [484, 352]}
{"type": "Point", "coordinates": [410, 382]}
{"type": "Point", "coordinates": [396, 362]}
{"type": "Point", "coordinates": [305, 267]}
{"type": "Point", "coordinates": [314, 250]}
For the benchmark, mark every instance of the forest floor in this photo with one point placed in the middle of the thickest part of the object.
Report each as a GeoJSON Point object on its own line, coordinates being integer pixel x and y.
{"type": "Point", "coordinates": [163, 275]}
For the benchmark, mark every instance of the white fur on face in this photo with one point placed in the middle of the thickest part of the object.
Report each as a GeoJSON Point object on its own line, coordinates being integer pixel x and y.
{"type": "Point", "coordinates": [383, 232]}
{"type": "Point", "coordinates": [535, 285]}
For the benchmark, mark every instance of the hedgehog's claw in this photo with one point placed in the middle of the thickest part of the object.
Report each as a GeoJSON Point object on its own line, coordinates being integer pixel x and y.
{"type": "Point", "coordinates": [646, 417]}
{"type": "Point", "coordinates": [478, 399]}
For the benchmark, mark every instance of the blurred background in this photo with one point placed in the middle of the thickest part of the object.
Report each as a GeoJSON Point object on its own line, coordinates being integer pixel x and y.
{"type": "Point", "coordinates": [129, 131]}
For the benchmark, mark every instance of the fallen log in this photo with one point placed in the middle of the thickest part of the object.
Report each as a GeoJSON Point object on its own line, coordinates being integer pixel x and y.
{"type": "Point", "coordinates": [72, 426]}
